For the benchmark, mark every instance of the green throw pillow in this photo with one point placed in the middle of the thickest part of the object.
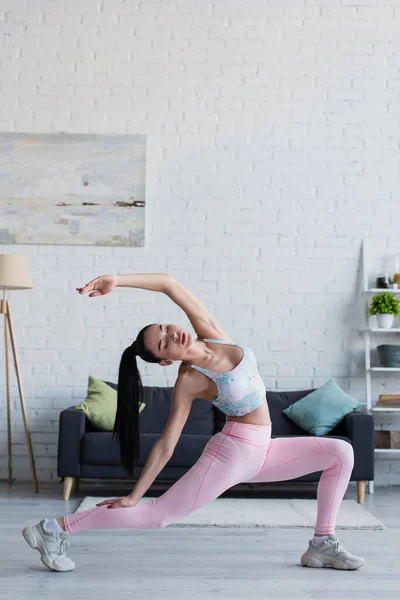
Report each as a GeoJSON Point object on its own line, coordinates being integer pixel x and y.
{"type": "Point", "coordinates": [320, 412]}
{"type": "Point", "coordinates": [100, 405]}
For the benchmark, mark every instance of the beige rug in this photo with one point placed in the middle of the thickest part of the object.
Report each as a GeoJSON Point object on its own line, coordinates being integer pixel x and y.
{"type": "Point", "coordinates": [270, 513]}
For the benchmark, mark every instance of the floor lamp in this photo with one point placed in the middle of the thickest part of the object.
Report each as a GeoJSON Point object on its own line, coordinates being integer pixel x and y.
{"type": "Point", "coordinates": [14, 275]}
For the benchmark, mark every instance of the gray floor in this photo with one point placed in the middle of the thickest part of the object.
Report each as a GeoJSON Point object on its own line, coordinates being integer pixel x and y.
{"type": "Point", "coordinates": [186, 563]}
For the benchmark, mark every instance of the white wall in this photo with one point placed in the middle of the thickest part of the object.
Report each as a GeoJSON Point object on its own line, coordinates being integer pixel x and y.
{"type": "Point", "coordinates": [272, 151]}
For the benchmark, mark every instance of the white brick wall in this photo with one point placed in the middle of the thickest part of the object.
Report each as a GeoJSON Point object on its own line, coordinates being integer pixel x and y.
{"type": "Point", "coordinates": [272, 150]}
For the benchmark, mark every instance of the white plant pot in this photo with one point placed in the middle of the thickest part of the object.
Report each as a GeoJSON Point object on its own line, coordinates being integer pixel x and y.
{"type": "Point", "coordinates": [385, 321]}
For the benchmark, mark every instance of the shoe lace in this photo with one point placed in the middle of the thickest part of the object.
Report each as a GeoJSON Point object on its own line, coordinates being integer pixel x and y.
{"type": "Point", "coordinates": [338, 545]}
{"type": "Point", "coordinates": [65, 544]}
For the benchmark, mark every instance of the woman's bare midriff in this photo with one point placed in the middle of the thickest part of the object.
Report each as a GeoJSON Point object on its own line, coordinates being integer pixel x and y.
{"type": "Point", "coordinates": [259, 416]}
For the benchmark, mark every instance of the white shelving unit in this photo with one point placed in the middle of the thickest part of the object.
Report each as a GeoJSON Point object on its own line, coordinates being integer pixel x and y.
{"type": "Point", "coordinates": [369, 370]}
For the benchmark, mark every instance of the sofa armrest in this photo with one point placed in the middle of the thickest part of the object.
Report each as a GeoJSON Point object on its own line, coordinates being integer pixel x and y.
{"type": "Point", "coordinates": [72, 426]}
{"type": "Point", "coordinates": [360, 428]}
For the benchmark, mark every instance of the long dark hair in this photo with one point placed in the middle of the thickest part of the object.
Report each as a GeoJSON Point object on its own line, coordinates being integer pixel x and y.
{"type": "Point", "coordinates": [129, 398]}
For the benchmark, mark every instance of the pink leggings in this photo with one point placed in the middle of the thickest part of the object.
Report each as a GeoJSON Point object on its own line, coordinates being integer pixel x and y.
{"type": "Point", "coordinates": [240, 453]}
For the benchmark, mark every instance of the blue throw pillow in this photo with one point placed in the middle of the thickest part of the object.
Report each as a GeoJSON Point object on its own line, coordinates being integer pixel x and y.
{"type": "Point", "coordinates": [320, 412]}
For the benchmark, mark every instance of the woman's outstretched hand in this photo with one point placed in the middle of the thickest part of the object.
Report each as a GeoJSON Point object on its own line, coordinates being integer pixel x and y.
{"type": "Point", "coordinates": [99, 286]}
{"type": "Point", "coordinates": [124, 502]}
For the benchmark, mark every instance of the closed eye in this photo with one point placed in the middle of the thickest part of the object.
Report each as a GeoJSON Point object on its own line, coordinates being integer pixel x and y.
{"type": "Point", "coordinates": [166, 343]}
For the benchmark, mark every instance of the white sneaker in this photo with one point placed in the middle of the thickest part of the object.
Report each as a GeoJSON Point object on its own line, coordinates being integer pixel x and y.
{"type": "Point", "coordinates": [330, 553]}
{"type": "Point", "coordinates": [52, 546]}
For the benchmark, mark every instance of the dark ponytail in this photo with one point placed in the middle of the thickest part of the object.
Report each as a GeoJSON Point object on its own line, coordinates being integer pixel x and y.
{"type": "Point", "coordinates": [129, 399]}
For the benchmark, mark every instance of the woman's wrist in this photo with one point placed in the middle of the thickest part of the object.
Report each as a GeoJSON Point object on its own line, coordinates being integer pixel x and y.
{"type": "Point", "coordinates": [156, 282]}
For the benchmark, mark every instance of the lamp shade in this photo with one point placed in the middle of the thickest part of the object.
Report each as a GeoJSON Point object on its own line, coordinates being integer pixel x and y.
{"type": "Point", "coordinates": [14, 272]}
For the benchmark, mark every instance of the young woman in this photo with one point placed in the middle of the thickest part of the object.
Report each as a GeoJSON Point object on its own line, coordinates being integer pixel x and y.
{"type": "Point", "coordinates": [215, 368]}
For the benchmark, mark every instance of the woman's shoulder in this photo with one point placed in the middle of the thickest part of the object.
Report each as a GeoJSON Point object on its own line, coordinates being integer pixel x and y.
{"type": "Point", "coordinates": [187, 373]}
{"type": "Point", "coordinates": [186, 370]}
{"type": "Point", "coordinates": [183, 367]}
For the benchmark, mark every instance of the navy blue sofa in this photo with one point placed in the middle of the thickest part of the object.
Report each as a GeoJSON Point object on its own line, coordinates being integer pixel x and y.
{"type": "Point", "coordinates": [88, 453]}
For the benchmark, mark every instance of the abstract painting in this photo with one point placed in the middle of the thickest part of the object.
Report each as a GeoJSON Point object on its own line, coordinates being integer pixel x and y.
{"type": "Point", "coordinates": [72, 189]}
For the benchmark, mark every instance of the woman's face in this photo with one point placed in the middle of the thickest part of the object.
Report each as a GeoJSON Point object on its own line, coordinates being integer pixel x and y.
{"type": "Point", "coordinates": [168, 342]}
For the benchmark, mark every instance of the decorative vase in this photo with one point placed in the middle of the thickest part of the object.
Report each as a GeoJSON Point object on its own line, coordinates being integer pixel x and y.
{"type": "Point", "coordinates": [385, 321]}
{"type": "Point", "coordinates": [389, 355]}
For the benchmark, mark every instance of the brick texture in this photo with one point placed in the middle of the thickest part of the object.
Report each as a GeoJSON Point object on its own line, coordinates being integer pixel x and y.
{"type": "Point", "coordinates": [272, 151]}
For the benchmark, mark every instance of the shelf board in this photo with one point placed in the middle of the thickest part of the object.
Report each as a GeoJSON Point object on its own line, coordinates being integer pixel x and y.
{"type": "Point", "coordinates": [375, 290]}
{"type": "Point", "coordinates": [381, 409]}
{"type": "Point", "coordinates": [384, 369]}
{"type": "Point", "coordinates": [389, 450]}
{"type": "Point", "coordinates": [380, 330]}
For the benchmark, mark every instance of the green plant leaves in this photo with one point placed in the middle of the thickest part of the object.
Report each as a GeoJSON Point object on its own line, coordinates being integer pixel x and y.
{"type": "Point", "coordinates": [384, 303]}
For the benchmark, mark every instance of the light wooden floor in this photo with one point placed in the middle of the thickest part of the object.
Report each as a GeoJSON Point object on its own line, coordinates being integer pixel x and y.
{"type": "Point", "coordinates": [191, 563]}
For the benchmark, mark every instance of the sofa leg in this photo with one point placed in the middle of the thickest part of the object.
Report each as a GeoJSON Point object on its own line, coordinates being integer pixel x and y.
{"type": "Point", "coordinates": [360, 492]}
{"type": "Point", "coordinates": [68, 483]}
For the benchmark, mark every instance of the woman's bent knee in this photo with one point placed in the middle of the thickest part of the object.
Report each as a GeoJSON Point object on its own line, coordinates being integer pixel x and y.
{"type": "Point", "coordinates": [340, 448]}
{"type": "Point", "coordinates": [345, 451]}
{"type": "Point", "coordinates": [349, 453]}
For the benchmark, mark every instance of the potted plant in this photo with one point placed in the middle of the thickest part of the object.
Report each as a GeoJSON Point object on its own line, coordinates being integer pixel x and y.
{"type": "Point", "coordinates": [385, 306]}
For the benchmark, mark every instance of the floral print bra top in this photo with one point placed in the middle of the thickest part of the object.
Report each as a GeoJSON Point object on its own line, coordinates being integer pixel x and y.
{"type": "Point", "coordinates": [241, 390]}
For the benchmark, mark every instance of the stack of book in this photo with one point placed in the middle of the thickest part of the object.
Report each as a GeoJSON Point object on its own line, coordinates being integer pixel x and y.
{"type": "Point", "coordinates": [388, 439]}
{"type": "Point", "coordinates": [388, 401]}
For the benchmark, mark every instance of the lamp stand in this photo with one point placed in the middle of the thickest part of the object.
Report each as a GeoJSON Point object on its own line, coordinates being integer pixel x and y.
{"type": "Point", "coordinates": [9, 331]}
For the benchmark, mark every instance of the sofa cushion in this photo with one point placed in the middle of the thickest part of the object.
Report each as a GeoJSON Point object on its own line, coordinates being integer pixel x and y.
{"type": "Point", "coordinates": [158, 403]}
{"type": "Point", "coordinates": [100, 404]}
{"type": "Point", "coordinates": [277, 403]}
{"type": "Point", "coordinates": [99, 449]}
{"type": "Point", "coordinates": [320, 412]}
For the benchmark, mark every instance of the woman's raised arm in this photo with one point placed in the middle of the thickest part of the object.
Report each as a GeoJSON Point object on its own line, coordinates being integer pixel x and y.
{"type": "Point", "coordinates": [156, 282]}
{"type": "Point", "coordinates": [204, 324]}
